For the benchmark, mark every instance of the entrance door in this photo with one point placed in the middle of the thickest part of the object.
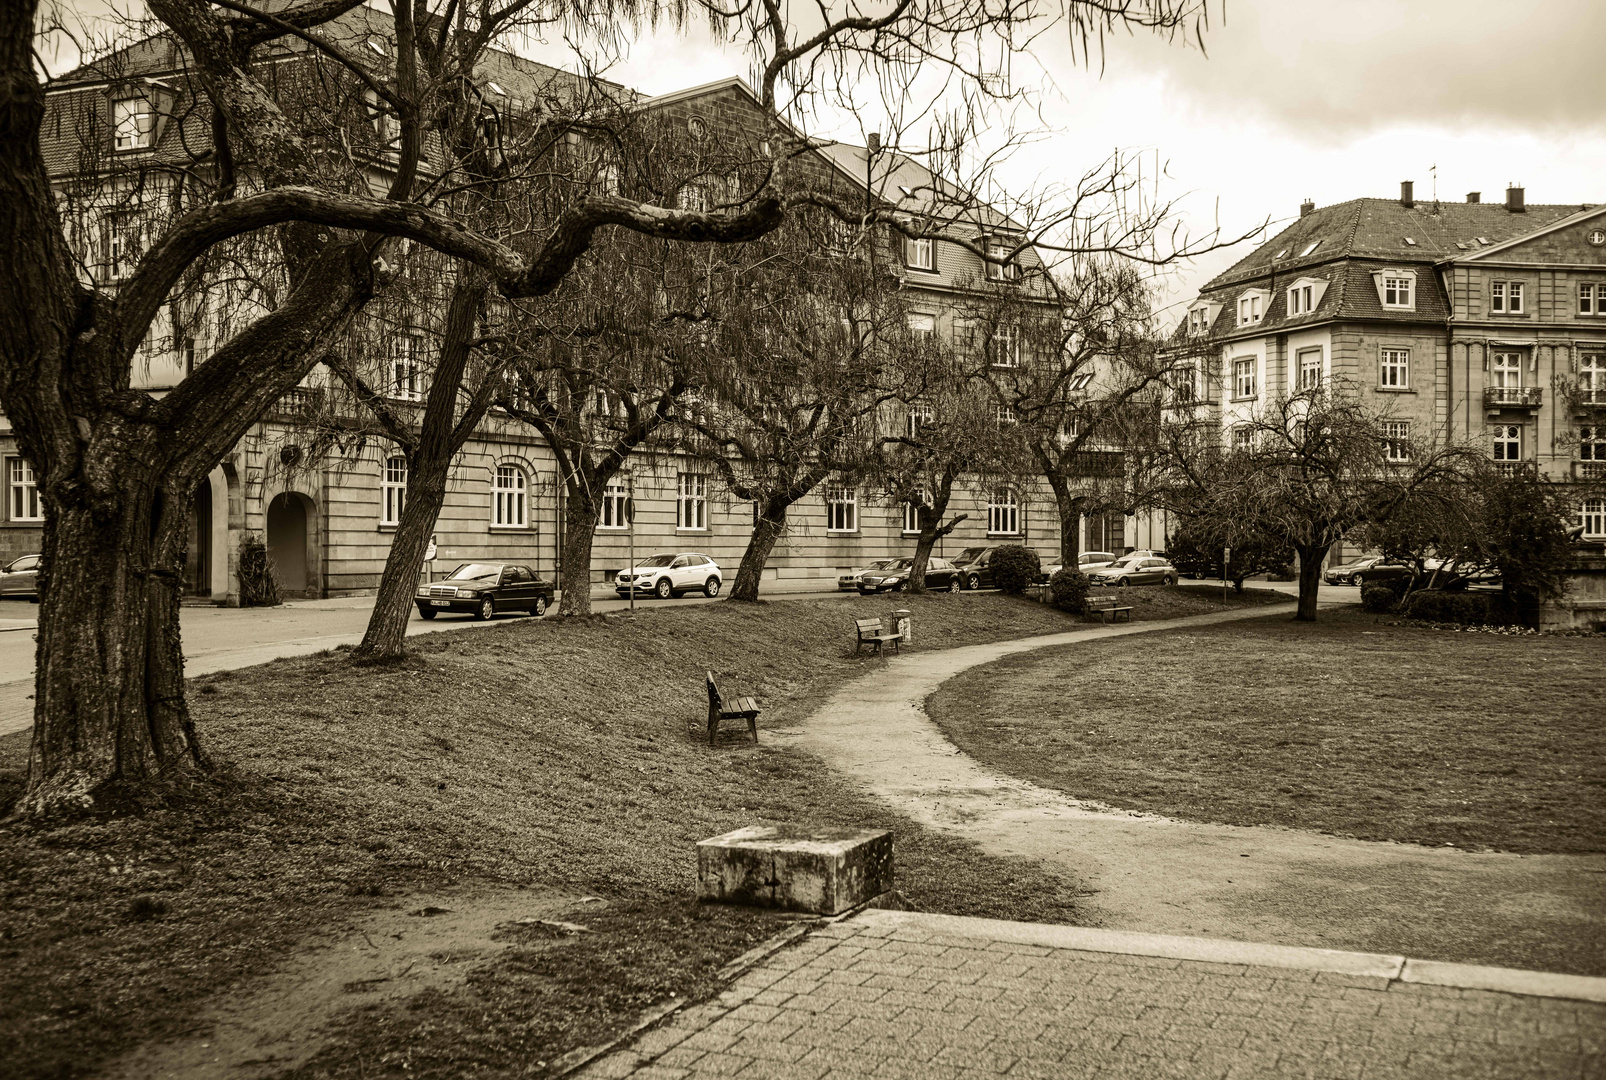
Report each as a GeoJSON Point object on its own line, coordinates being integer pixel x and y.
{"type": "Point", "coordinates": [198, 572]}
{"type": "Point", "coordinates": [287, 541]}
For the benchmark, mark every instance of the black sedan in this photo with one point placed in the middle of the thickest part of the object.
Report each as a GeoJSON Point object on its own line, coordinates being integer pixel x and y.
{"type": "Point", "coordinates": [941, 576]}
{"type": "Point", "coordinates": [483, 589]}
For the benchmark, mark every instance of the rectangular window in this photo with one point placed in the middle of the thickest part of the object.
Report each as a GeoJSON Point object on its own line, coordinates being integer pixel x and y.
{"type": "Point", "coordinates": [1243, 378]}
{"type": "Point", "coordinates": [1000, 248]}
{"type": "Point", "coordinates": [393, 490]}
{"type": "Point", "coordinates": [1003, 514]}
{"type": "Point", "coordinates": [1250, 310]}
{"type": "Point", "coordinates": [841, 509]}
{"type": "Point", "coordinates": [24, 491]}
{"type": "Point", "coordinates": [1394, 369]}
{"type": "Point", "coordinates": [1243, 437]}
{"type": "Point", "coordinates": [693, 197]}
{"type": "Point", "coordinates": [1592, 299]}
{"type": "Point", "coordinates": [404, 369]}
{"type": "Point", "coordinates": [1005, 415]}
{"type": "Point", "coordinates": [1508, 370]}
{"type": "Point", "coordinates": [1593, 518]}
{"type": "Point", "coordinates": [123, 243]}
{"type": "Point", "coordinates": [922, 327]}
{"type": "Point", "coordinates": [691, 499]}
{"type": "Point", "coordinates": [1592, 378]}
{"type": "Point", "coordinates": [1591, 444]}
{"type": "Point", "coordinates": [1299, 300]}
{"type": "Point", "coordinates": [1185, 385]}
{"type": "Point", "coordinates": [1199, 321]}
{"type": "Point", "coordinates": [1310, 369]}
{"type": "Point", "coordinates": [1397, 291]}
{"type": "Point", "coordinates": [919, 416]}
{"type": "Point", "coordinates": [911, 511]}
{"type": "Point", "coordinates": [1004, 347]}
{"type": "Point", "coordinates": [510, 508]}
{"type": "Point", "coordinates": [1505, 297]}
{"type": "Point", "coordinates": [615, 499]}
{"type": "Point", "coordinates": [1397, 440]}
{"type": "Point", "coordinates": [918, 254]}
{"type": "Point", "coordinates": [133, 123]}
{"type": "Point", "coordinates": [1508, 442]}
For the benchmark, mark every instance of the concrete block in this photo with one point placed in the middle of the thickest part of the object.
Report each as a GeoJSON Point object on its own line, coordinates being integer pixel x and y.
{"type": "Point", "coordinates": [820, 870]}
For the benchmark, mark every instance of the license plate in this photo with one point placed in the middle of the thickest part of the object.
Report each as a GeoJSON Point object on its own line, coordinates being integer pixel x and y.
{"type": "Point", "coordinates": [441, 603]}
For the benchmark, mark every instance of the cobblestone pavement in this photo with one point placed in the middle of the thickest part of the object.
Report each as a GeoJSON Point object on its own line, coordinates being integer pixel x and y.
{"type": "Point", "coordinates": [930, 997]}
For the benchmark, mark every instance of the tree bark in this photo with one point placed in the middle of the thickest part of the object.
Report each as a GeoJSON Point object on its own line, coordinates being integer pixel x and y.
{"type": "Point", "coordinates": [579, 531]}
{"type": "Point", "coordinates": [1310, 579]}
{"type": "Point", "coordinates": [771, 523]}
{"type": "Point", "coordinates": [931, 530]}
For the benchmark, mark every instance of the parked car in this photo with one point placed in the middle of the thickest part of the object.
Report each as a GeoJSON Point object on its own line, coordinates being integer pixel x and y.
{"type": "Point", "coordinates": [1346, 573]}
{"type": "Point", "coordinates": [1086, 562]}
{"type": "Point", "coordinates": [671, 574]}
{"type": "Point", "coordinates": [849, 582]}
{"type": "Point", "coordinates": [1135, 570]}
{"type": "Point", "coordinates": [21, 577]}
{"type": "Point", "coordinates": [482, 589]}
{"type": "Point", "coordinates": [941, 576]}
{"type": "Point", "coordinates": [975, 565]}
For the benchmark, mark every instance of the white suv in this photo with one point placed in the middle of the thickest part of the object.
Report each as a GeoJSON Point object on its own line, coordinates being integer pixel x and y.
{"type": "Point", "coordinates": [671, 575]}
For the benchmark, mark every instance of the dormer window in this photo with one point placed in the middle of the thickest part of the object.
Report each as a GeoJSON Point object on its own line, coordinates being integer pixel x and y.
{"type": "Point", "coordinates": [1002, 248]}
{"type": "Point", "coordinates": [1202, 316]}
{"type": "Point", "coordinates": [1252, 307]}
{"type": "Point", "coordinates": [133, 123]}
{"type": "Point", "coordinates": [1396, 289]}
{"type": "Point", "coordinates": [919, 254]}
{"type": "Point", "coordinates": [1305, 295]}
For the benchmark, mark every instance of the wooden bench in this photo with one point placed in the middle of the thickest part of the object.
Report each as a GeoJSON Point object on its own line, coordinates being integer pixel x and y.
{"type": "Point", "coordinates": [1107, 609]}
{"type": "Point", "coordinates": [875, 632]}
{"type": "Point", "coordinates": [741, 708]}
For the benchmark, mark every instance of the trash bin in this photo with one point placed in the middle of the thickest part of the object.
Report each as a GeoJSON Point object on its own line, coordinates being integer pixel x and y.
{"type": "Point", "coordinates": [903, 624]}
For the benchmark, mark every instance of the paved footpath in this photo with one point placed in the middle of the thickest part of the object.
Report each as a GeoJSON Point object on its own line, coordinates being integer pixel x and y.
{"type": "Point", "coordinates": [890, 995]}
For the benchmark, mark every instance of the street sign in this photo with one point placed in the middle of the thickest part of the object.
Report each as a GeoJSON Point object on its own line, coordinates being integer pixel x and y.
{"type": "Point", "coordinates": [429, 552]}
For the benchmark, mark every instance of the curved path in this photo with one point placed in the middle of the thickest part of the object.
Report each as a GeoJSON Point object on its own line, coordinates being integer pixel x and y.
{"type": "Point", "coordinates": [1165, 876]}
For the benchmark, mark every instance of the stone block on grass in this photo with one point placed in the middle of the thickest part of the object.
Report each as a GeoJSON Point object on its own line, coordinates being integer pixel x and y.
{"type": "Point", "coordinates": [821, 870]}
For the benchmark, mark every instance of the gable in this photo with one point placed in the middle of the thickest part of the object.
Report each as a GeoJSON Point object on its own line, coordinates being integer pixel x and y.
{"type": "Point", "coordinates": [1577, 240]}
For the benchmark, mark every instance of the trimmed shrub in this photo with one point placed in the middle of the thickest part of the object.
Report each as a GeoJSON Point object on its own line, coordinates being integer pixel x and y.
{"type": "Point", "coordinates": [259, 585]}
{"type": "Point", "coordinates": [1069, 589]}
{"type": "Point", "coordinates": [1439, 605]}
{"type": "Point", "coordinates": [1379, 599]}
{"type": "Point", "coordinates": [1015, 567]}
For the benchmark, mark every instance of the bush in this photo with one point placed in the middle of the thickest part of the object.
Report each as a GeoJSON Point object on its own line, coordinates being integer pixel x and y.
{"type": "Point", "coordinates": [1015, 567]}
{"type": "Point", "coordinates": [1439, 605]}
{"type": "Point", "coordinates": [259, 586]}
{"type": "Point", "coordinates": [1069, 589]}
{"type": "Point", "coordinates": [1379, 599]}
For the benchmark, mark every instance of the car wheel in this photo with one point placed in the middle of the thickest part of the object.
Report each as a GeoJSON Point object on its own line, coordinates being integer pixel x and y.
{"type": "Point", "coordinates": [711, 587]}
{"type": "Point", "coordinates": [1121, 582]}
{"type": "Point", "coordinates": [426, 613]}
{"type": "Point", "coordinates": [1168, 580]}
{"type": "Point", "coordinates": [486, 609]}
{"type": "Point", "coordinates": [953, 584]}
{"type": "Point", "coordinates": [664, 590]}
{"type": "Point", "coordinates": [973, 582]}
{"type": "Point", "coordinates": [898, 587]}
{"type": "Point", "coordinates": [540, 607]}
{"type": "Point", "coordinates": [1360, 580]}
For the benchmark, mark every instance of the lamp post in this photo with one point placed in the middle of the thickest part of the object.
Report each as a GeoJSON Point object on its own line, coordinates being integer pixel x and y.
{"type": "Point", "coordinates": [630, 519]}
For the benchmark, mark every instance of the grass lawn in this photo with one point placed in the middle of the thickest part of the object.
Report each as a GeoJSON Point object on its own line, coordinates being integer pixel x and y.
{"type": "Point", "coordinates": [1347, 725]}
{"type": "Point", "coordinates": [558, 755]}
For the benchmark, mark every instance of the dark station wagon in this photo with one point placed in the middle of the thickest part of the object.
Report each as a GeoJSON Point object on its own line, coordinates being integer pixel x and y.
{"type": "Point", "coordinates": [482, 589]}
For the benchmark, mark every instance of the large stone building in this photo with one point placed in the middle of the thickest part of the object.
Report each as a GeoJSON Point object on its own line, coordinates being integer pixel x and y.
{"type": "Point", "coordinates": [1469, 321]}
{"type": "Point", "coordinates": [120, 131]}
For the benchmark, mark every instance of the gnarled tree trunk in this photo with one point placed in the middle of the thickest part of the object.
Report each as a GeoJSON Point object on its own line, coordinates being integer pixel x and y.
{"type": "Point", "coordinates": [771, 524]}
{"type": "Point", "coordinates": [579, 531]}
{"type": "Point", "coordinates": [932, 530]}
{"type": "Point", "coordinates": [393, 605]}
{"type": "Point", "coordinates": [1310, 579]}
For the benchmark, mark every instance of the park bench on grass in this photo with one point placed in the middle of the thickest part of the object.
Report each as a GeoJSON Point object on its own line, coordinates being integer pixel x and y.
{"type": "Point", "coordinates": [875, 632]}
{"type": "Point", "coordinates": [1106, 608]}
{"type": "Point", "coordinates": [740, 708]}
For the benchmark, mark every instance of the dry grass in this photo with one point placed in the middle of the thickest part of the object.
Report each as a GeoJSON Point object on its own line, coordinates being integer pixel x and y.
{"type": "Point", "coordinates": [1348, 725]}
{"type": "Point", "coordinates": [559, 755]}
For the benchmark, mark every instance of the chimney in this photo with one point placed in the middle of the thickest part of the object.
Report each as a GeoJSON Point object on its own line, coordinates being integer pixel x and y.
{"type": "Point", "coordinates": [1306, 207]}
{"type": "Point", "coordinates": [1405, 194]}
{"type": "Point", "coordinates": [1514, 200]}
{"type": "Point", "coordinates": [1474, 196]}
{"type": "Point", "coordinates": [875, 142]}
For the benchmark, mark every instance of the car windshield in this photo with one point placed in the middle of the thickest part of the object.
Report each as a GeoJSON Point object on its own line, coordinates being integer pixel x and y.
{"type": "Point", "coordinates": [1122, 564]}
{"type": "Point", "coordinates": [657, 560]}
{"type": "Point", "coordinates": [474, 570]}
{"type": "Point", "coordinates": [899, 564]}
{"type": "Point", "coordinates": [969, 555]}
{"type": "Point", "coordinates": [880, 564]}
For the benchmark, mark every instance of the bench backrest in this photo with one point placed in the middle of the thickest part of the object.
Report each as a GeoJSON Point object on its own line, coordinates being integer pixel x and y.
{"type": "Point", "coordinates": [1100, 601]}
{"type": "Point", "coordinates": [713, 692]}
{"type": "Point", "coordinates": [867, 626]}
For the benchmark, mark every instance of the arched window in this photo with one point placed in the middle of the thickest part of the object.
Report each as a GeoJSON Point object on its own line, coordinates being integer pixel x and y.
{"type": "Point", "coordinates": [509, 501]}
{"type": "Point", "coordinates": [393, 490]}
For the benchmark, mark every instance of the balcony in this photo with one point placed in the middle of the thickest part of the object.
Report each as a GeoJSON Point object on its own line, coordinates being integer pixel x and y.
{"type": "Point", "coordinates": [1098, 463]}
{"type": "Point", "coordinates": [1513, 397]}
{"type": "Point", "coordinates": [1589, 470]}
{"type": "Point", "coordinates": [1511, 469]}
{"type": "Point", "coordinates": [299, 404]}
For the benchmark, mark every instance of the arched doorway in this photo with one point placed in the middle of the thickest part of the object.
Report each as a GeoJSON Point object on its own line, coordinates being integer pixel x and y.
{"type": "Point", "coordinates": [287, 540]}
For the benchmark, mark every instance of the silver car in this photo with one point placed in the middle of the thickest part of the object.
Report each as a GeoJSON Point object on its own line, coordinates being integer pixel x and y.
{"type": "Point", "coordinates": [21, 577]}
{"type": "Point", "coordinates": [850, 582]}
{"type": "Point", "coordinates": [1136, 570]}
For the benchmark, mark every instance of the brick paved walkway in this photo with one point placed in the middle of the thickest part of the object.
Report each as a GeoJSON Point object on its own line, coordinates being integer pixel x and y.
{"type": "Point", "coordinates": [930, 997]}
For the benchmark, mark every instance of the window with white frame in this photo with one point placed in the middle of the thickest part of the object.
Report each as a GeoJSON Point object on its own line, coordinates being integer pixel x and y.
{"type": "Point", "coordinates": [1394, 369]}
{"type": "Point", "coordinates": [1199, 321]}
{"type": "Point", "coordinates": [693, 197]}
{"type": "Point", "coordinates": [1243, 378]}
{"type": "Point", "coordinates": [919, 253]}
{"type": "Point", "coordinates": [392, 490]}
{"type": "Point", "coordinates": [1397, 440]}
{"type": "Point", "coordinates": [1505, 297]}
{"type": "Point", "coordinates": [1300, 299]}
{"type": "Point", "coordinates": [691, 502]}
{"type": "Point", "coordinates": [133, 123]}
{"type": "Point", "coordinates": [1002, 248]}
{"type": "Point", "coordinates": [404, 369]}
{"type": "Point", "coordinates": [1251, 309]}
{"type": "Point", "coordinates": [1003, 513]}
{"type": "Point", "coordinates": [919, 415]}
{"type": "Point", "coordinates": [911, 511]}
{"type": "Point", "coordinates": [509, 499]}
{"type": "Point", "coordinates": [1310, 369]}
{"type": "Point", "coordinates": [1508, 370]}
{"type": "Point", "coordinates": [1592, 378]}
{"type": "Point", "coordinates": [1398, 291]}
{"type": "Point", "coordinates": [1508, 442]}
{"type": "Point", "coordinates": [24, 501]}
{"type": "Point", "coordinates": [615, 501]}
{"type": "Point", "coordinates": [1185, 384]}
{"type": "Point", "coordinates": [1243, 437]}
{"type": "Point", "coordinates": [386, 129]}
{"type": "Point", "coordinates": [1005, 415]}
{"type": "Point", "coordinates": [1592, 516]}
{"type": "Point", "coordinates": [1591, 443]}
{"type": "Point", "coordinates": [123, 242]}
{"type": "Point", "coordinates": [1592, 298]}
{"type": "Point", "coordinates": [1080, 381]}
{"type": "Point", "coordinates": [1004, 348]}
{"type": "Point", "coordinates": [841, 509]}
{"type": "Point", "coordinates": [610, 178]}
{"type": "Point", "coordinates": [922, 327]}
